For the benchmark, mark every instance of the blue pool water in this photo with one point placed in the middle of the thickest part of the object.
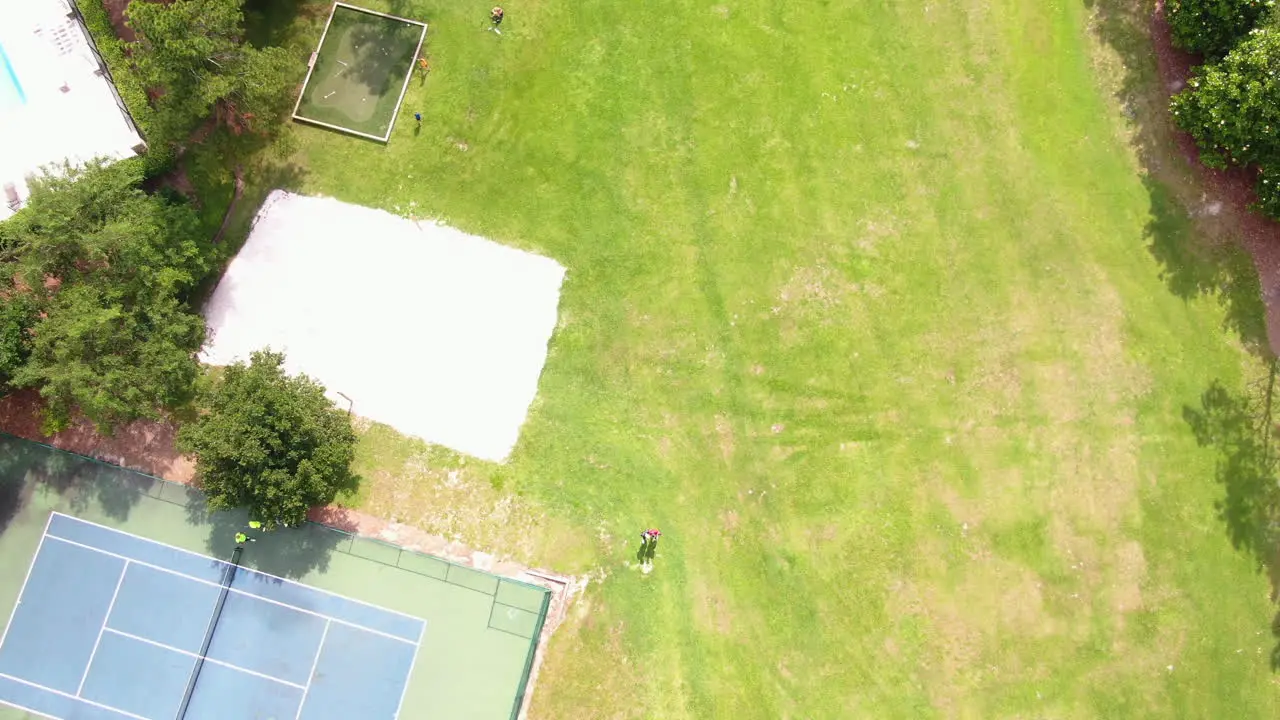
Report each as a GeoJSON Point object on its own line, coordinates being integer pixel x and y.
{"type": "Point", "coordinates": [10, 89]}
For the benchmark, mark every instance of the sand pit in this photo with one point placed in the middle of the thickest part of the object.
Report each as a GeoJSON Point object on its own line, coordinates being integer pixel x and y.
{"type": "Point", "coordinates": [439, 334]}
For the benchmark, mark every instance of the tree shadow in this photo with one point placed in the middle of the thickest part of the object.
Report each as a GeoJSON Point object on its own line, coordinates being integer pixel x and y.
{"type": "Point", "coordinates": [291, 553]}
{"type": "Point", "coordinates": [270, 22]}
{"type": "Point", "coordinates": [15, 491]}
{"type": "Point", "coordinates": [385, 46]}
{"type": "Point", "coordinates": [1241, 427]}
{"type": "Point", "coordinates": [238, 221]}
{"type": "Point", "coordinates": [1219, 248]}
{"type": "Point", "coordinates": [1191, 267]}
{"type": "Point", "coordinates": [81, 482]}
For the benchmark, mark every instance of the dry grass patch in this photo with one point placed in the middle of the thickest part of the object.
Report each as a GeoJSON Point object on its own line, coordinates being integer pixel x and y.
{"type": "Point", "coordinates": [711, 610]}
{"type": "Point", "coordinates": [463, 499]}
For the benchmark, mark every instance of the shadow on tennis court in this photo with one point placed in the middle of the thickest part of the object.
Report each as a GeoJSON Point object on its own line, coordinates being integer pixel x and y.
{"type": "Point", "coordinates": [11, 497]}
{"type": "Point", "coordinates": [81, 482]}
{"type": "Point", "coordinates": [289, 553]}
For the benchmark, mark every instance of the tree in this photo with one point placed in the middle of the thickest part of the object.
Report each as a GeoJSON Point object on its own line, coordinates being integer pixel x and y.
{"type": "Point", "coordinates": [17, 317]}
{"type": "Point", "coordinates": [96, 276]}
{"type": "Point", "coordinates": [1232, 109]}
{"type": "Point", "coordinates": [110, 360]}
{"type": "Point", "coordinates": [1213, 27]}
{"type": "Point", "coordinates": [94, 224]}
{"type": "Point", "coordinates": [193, 55]}
{"type": "Point", "coordinates": [270, 442]}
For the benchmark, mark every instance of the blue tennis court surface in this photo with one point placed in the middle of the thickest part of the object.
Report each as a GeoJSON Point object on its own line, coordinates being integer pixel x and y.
{"type": "Point", "coordinates": [110, 625]}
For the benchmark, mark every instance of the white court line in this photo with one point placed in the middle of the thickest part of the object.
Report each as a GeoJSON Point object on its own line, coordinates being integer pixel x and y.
{"type": "Point", "coordinates": [237, 591]}
{"type": "Point", "coordinates": [408, 677]}
{"type": "Point", "coordinates": [185, 551]}
{"type": "Point", "coordinates": [207, 659]}
{"type": "Point", "coordinates": [315, 662]}
{"type": "Point", "coordinates": [105, 618]}
{"type": "Point", "coordinates": [69, 696]}
{"type": "Point", "coordinates": [23, 589]}
{"type": "Point", "coordinates": [379, 14]}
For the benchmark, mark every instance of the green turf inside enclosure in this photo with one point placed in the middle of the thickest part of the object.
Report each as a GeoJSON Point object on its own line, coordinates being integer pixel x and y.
{"type": "Point", "coordinates": [360, 71]}
{"type": "Point", "coordinates": [468, 667]}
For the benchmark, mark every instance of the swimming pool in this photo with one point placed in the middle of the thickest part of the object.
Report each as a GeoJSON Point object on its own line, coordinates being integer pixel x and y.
{"type": "Point", "coordinates": [10, 89]}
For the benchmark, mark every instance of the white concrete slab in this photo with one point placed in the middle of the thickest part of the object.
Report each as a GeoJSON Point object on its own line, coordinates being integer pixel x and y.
{"type": "Point", "coordinates": [437, 333]}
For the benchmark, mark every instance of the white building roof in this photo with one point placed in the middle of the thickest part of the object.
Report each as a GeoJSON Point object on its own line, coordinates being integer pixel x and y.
{"type": "Point", "coordinates": [63, 109]}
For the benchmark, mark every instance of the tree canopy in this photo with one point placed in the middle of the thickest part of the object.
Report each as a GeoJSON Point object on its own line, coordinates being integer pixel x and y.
{"type": "Point", "coordinates": [17, 317]}
{"type": "Point", "coordinates": [95, 274]}
{"type": "Point", "coordinates": [1213, 27]}
{"type": "Point", "coordinates": [270, 442]}
{"type": "Point", "coordinates": [193, 55]}
{"type": "Point", "coordinates": [1232, 109]}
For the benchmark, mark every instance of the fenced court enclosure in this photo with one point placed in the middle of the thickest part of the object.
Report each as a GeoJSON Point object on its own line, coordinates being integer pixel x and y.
{"type": "Point", "coordinates": [128, 600]}
{"type": "Point", "coordinates": [359, 74]}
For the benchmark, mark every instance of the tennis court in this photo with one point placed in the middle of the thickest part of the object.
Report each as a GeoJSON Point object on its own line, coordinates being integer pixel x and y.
{"type": "Point", "coordinates": [114, 625]}
{"type": "Point", "coordinates": [360, 72]}
{"type": "Point", "coordinates": [126, 598]}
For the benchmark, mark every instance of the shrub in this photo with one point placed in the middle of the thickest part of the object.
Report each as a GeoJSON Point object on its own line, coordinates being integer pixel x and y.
{"type": "Point", "coordinates": [270, 442]}
{"type": "Point", "coordinates": [1232, 109]}
{"type": "Point", "coordinates": [1213, 27]}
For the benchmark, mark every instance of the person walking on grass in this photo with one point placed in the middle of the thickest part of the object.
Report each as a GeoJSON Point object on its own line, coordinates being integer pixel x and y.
{"type": "Point", "coordinates": [649, 542]}
{"type": "Point", "coordinates": [418, 116]}
{"type": "Point", "coordinates": [650, 536]}
{"type": "Point", "coordinates": [496, 16]}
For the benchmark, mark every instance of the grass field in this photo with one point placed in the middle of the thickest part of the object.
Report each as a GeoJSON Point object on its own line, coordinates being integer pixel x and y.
{"type": "Point", "coordinates": [364, 58]}
{"type": "Point", "coordinates": [872, 309]}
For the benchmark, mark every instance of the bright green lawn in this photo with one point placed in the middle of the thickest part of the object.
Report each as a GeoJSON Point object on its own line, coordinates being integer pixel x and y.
{"type": "Point", "coordinates": [860, 312]}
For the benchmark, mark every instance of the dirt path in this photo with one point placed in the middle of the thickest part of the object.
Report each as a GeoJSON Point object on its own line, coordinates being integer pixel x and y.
{"type": "Point", "coordinates": [1226, 194]}
{"type": "Point", "coordinates": [231, 208]}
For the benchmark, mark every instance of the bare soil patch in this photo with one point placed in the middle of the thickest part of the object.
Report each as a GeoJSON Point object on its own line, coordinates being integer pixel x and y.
{"type": "Point", "coordinates": [146, 446]}
{"type": "Point", "coordinates": [116, 10]}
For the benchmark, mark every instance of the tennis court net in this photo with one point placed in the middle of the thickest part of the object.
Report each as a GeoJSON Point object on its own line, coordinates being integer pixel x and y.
{"type": "Point", "coordinates": [228, 576]}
